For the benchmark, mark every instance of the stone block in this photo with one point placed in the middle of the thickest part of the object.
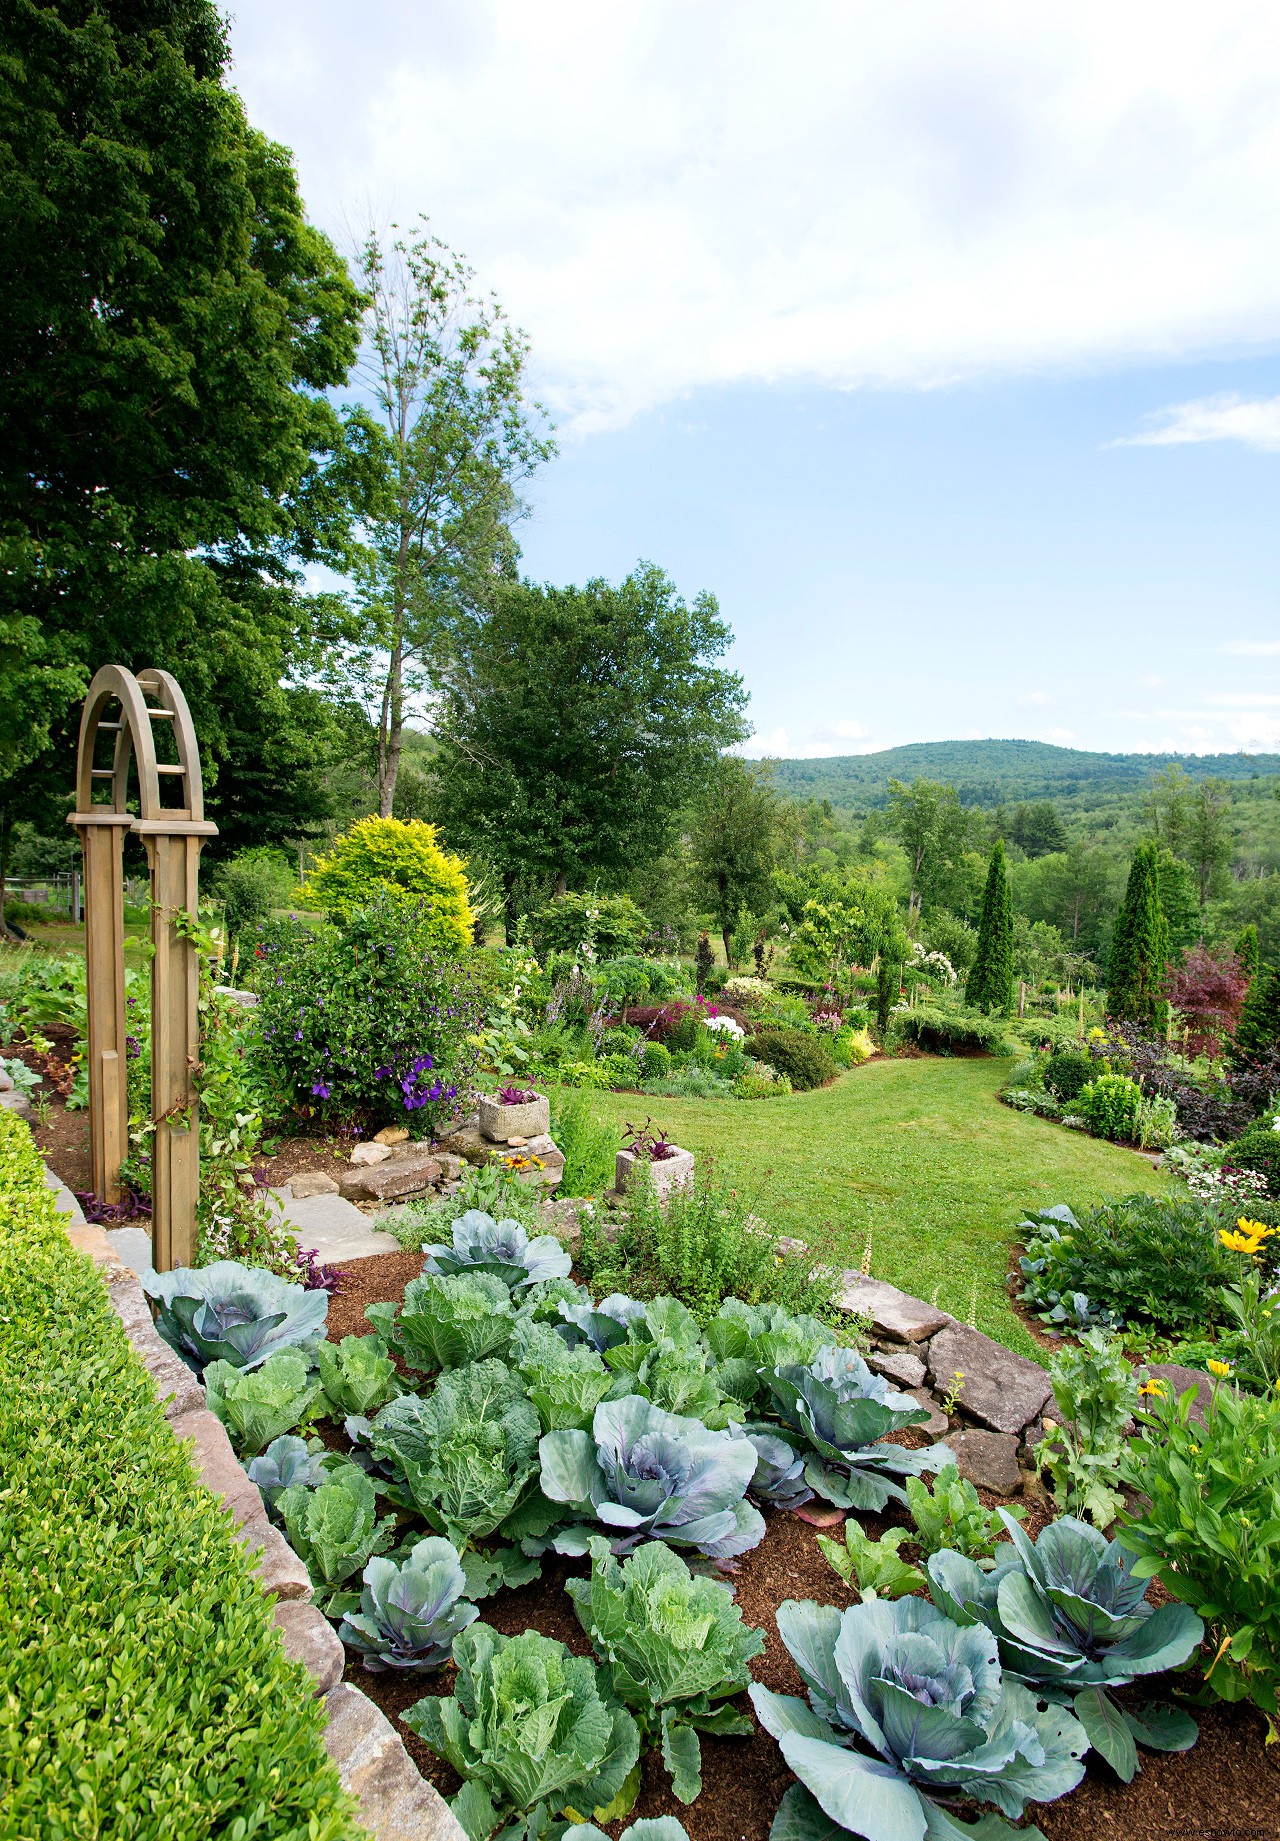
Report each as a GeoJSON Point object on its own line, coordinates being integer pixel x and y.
{"type": "Point", "coordinates": [396, 1802]}
{"type": "Point", "coordinates": [900, 1366]}
{"type": "Point", "coordinates": [467, 1142]}
{"type": "Point", "coordinates": [216, 1464]}
{"type": "Point", "coordinates": [64, 1198]}
{"type": "Point", "coordinates": [1001, 1390]}
{"type": "Point", "coordinates": [388, 1181]}
{"type": "Point", "coordinates": [311, 1182]}
{"type": "Point", "coordinates": [281, 1574]}
{"type": "Point", "coordinates": [370, 1153]}
{"type": "Point", "coordinates": [893, 1313]}
{"type": "Point", "coordinates": [247, 1000]}
{"type": "Point", "coordinates": [6, 1081]}
{"type": "Point", "coordinates": [15, 1100]}
{"type": "Point", "coordinates": [311, 1639]}
{"type": "Point", "coordinates": [937, 1424]}
{"type": "Point", "coordinates": [391, 1134]}
{"type": "Point", "coordinates": [667, 1174]}
{"type": "Point", "coordinates": [502, 1123]}
{"type": "Point", "coordinates": [451, 1167]}
{"type": "Point", "coordinates": [1177, 1379]}
{"type": "Point", "coordinates": [335, 1228]}
{"type": "Point", "coordinates": [175, 1384]}
{"type": "Point", "coordinates": [988, 1459]}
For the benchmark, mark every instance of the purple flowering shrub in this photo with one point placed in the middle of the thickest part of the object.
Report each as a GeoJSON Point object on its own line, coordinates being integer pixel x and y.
{"type": "Point", "coordinates": [367, 1022]}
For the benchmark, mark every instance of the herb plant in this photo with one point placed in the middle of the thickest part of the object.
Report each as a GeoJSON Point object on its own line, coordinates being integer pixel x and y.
{"type": "Point", "coordinates": [675, 1649]}
{"type": "Point", "coordinates": [1096, 1392]}
{"type": "Point", "coordinates": [529, 1730]}
{"type": "Point", "coordinates": [937, 1718]}
{"type": "Point", "coordinates": [951, 1515]}
{"type": "Point", "coordinates": [1073, 1623]}
{"type": "Point", "coordinates": [263, 1403]}
{"type": "Point", "coordinates": [875, 1567]}
{"type": "Point", "coordinates": [410, 1613]}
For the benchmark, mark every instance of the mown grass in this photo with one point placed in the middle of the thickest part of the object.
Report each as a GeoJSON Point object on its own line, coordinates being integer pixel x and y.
{"type": "Point", "coordinates": [920, 1154]}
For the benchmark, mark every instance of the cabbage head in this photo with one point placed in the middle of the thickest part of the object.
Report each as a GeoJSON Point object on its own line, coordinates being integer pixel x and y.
{"type": "Point", "coordinates": [409, 1614]}
{"type": "Point", "coordinates": [566, 1385]}
{"type": "Point", "coordinates": [650, 1475]}
{"type": "Point", "coordinates": [447, 1322]}
{"type": "Point", "coordinates": [358, 1376]}
{"type": "Point", "coordinates": [603, 1324]}
{"type": "Point", "coordinates": [468, 1454]}
{"type": "Point", "coordinates": [501, 1248]}
{"type": "Point", "coordinates": [263, 1403]}
{"type": "Point", "coordinates": [335, 1531]}
{"type": "Point", "coordinates": [233, 1313]}
{"type": "Point", "coordinates": [838, 1411]}
{"type": "Point", "coordinates": [779, 1480]}
{"type": "Point", "coordinates": [676, 1647]}
{"type": "Point", "coordinates": [752, 1341]}
{"type": "Point", "coordinates": [664, 1359]}
{"type": "Point", "coordinates": [287, 1462]}
{"type": "Point", "coordinates": [529, 1730]}
{"type": "Point", "coordinates": [649, 1828]}
{"type": "Point", "coordinates": [1073, 1623]}
{"type": "Point", "coordinates": [906, 1712]}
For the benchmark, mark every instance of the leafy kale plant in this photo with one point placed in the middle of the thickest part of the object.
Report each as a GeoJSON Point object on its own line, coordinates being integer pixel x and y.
{"type": "Point", "coordinates": [1096, 1392]}
{"type": "Point", "coordinates": [468, 1453]}
{"type": "Point", "coordinates": [651, 1475]}
{"type": "Point", "coordinates": [937, 1717]}
{"type": "Point", "coordinates": [875, 1567]}
{"type": "Point", "coordinates": [410, 1613]}
{"type": "Point", "coordinates": [675, 1648]}
{"type": "Point", "coordinates": [530, 1731]}
{"type": "Point", "coordinates": [262, 1404]}
{"type": "Point", "coordinates": [358, 1376]}
{"type": "Point", "coordinates": [233, 1313]}
{"type": "Point", "coordinates": [335, 1531]}
{"type": "Point", "coordinates": [1073, 1623]}
{"type": "Point", "coordinates": [839, 1411]}
{"type": "Point", "coordinates": [447, 1322]}
{"type": "Point", "coordinates": [951, 1515]}
{"type": "Point", "coordinates": [501, 1248]}
{"type": "Point", "coordinates": [285, 1464]}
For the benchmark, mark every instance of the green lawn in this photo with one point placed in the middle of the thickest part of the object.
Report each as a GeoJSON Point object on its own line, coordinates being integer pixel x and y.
{"type": "Point", "coordinates": [920, 1154]}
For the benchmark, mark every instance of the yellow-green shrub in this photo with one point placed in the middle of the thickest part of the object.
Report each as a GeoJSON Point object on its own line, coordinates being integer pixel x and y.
{"type": "Point", "coordinates": [402, 859]}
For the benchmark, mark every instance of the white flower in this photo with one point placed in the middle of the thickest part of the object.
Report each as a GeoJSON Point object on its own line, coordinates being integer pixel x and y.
{"type": "Point", "coordinates": [724, 1026]}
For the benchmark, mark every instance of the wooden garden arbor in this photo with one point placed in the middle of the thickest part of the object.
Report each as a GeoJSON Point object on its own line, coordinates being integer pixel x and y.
{"type": "Point", "coordinates": [124, 711]}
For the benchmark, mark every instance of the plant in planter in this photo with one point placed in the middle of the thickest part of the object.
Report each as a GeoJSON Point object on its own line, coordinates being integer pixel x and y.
{"type": "Point", "coordinates": [514, 1112]}
{"type": "Point", "coordinates": [1072, 1622]}
{"type": "Point", "coordinates": [667, 1167]}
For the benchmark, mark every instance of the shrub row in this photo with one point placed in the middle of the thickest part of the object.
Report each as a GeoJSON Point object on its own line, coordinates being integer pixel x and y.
{"type": "Point", "coordinates": [143, 1689]}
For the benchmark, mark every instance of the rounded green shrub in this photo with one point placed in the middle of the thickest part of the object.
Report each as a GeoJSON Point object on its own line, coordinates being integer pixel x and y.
{"type": "Point", "coordinates": [803, 1058]}
{"type": "Point", "coordinates": [1109, 1107]}
{"type": "Point", "coordinates": [1258, 1148]}
{"type": "Point", "coordinates": [1067, 1071]}
{"type": "Point", "coordinates": [657, 1061]}
{"type": "Point", "coordinates": [402, 861]}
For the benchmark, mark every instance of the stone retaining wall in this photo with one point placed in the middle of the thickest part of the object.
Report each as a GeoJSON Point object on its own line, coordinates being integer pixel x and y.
{"type": "Point", "coordinates": [396, 1802]}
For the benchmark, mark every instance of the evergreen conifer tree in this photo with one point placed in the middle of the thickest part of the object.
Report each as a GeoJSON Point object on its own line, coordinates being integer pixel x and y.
{"type": "Point", "coordinates": [990, 983]}
{"type": "Point", "coordinates": [1259, 1027]}
{"type": "Point", "coordinates": [1140, 946]}
{"type": "Point", "coordinates": [1247, 951]}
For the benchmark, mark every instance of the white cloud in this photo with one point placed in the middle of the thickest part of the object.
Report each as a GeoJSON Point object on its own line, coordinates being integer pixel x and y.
{"type": "Point", "coordinates": [672, 196]}
{"type": "Point", "coordinates": [1061, 736]}
{"type": "Point", "coordinates": [834, 738]}
{"type": "Point", "coordinates": [1253, 421]}
{"type": "Point", "coordinates": [1254, 648]}
{"type": "Point", "coordinates": [1034, 698]}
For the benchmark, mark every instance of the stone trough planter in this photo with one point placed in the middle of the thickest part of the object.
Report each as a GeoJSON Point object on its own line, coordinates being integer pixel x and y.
{"type": "Point", "coordinates": [499, 1123]}
{"type": "Point", "coordinates": [667, 1174]}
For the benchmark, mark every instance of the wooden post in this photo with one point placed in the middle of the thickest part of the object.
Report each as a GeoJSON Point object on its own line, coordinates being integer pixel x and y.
{"type": "Point", "coordinates": [175, 1043]}
{"type": "Point", "coordinates": [102, 841]}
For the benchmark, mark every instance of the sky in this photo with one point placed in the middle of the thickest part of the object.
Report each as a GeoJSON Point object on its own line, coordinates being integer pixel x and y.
{"type": "Point", "coordinates": [941, 344]}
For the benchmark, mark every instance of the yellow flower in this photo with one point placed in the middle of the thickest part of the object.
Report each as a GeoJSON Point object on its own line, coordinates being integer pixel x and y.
{"type": "Point", "coordinates": [1153, 1388]}
{"type": "Point", "coordinates": [1256, 1230]}
{"type": "Point", "coordinates": [1239, 1242]}
{"type": "Point", "coordinates": [1217, 1367]}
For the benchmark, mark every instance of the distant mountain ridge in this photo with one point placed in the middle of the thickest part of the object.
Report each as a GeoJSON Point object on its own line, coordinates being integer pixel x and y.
{"type": "Point", "coordinates": [994, 772]}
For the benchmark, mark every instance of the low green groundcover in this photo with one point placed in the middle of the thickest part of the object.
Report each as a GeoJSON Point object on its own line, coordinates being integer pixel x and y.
{"type": "Point", "coordinates": [143, 1689]}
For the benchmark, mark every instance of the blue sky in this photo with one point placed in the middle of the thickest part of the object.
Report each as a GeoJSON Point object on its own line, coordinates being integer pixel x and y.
{"type": "Point", "coordinates": [943, 345]}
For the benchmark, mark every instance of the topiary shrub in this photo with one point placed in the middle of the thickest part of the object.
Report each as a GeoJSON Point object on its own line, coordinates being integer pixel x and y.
{"type": "Point", "coordinates": [1067, 1071]}
{"type": "Point", "coordinates": [657, 1061]}
{"type": "Point", "coordinates": [403, 862]}
{"type": "Point", "coordinates": [803, 1058]}
{"type": "Point", "coordinates": [1258, 1149]}
{"type": "Point", "coordinates": [1109, 1107]}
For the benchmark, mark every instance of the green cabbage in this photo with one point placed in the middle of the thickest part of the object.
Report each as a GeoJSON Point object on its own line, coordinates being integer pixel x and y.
{"type": "Point", "coordinates": [358, 1376]}
{"type": "Point", "coordinates": [530, 1731]}
{"type": "Point", "coordinates": [664, 1359]}
{"type": "Point", "coordinates": [446, 1322]}
{"type": "Point", "coordinates": [565, 1384]}
{"type": "Point", "coordinates": [335, 1530]}
{"type": "Point", "coordinates": [259, 1405]}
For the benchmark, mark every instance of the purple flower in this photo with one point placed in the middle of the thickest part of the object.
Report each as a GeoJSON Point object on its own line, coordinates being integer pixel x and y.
{"type": "Point", "coordinates": [320, 1090]}
{"type": "Point", "coordinates": [132, 1048]}
{"type": "Point", "coordinates": [297, 1035]}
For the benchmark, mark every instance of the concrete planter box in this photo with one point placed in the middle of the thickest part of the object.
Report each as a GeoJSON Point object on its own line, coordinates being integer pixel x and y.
{"type": "Point", "coordinates": [499, 1122]}
{"type": "Point", "coordinates": [667, 1174]}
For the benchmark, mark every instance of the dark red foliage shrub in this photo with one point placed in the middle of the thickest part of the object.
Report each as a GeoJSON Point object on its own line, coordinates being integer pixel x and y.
{"type": "Point", "coordinates": [1214, 1111]}
{"type": "Point", "coordinates": [662, 1021]}
{"type": "Point", "coordinates": [1207, 991]}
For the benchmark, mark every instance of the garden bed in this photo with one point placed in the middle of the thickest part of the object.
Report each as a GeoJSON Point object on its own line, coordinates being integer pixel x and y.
{"type": "Point", "coordinates": [1226, 1784]}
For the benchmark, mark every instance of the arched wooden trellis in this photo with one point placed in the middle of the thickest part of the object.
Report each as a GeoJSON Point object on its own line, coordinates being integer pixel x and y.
{"type": "Point", "coordinates": [124, 709]}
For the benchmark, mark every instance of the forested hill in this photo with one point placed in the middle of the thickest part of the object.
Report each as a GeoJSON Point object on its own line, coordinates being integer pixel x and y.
{"type": "Point", "coordinates": [992, 773]}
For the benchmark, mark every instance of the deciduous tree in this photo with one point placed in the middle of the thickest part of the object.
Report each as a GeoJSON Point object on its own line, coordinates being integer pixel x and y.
{"type": "Point", "coordinates": [736, 827]}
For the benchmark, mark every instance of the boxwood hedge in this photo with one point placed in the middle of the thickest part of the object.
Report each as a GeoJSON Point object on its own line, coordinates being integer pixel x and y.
{"type": "Point", "coordinates": [143, 1689]}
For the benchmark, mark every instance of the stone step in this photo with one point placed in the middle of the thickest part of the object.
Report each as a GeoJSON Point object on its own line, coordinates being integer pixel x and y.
{"type": "Point", "coordinates": [334, 1227]}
